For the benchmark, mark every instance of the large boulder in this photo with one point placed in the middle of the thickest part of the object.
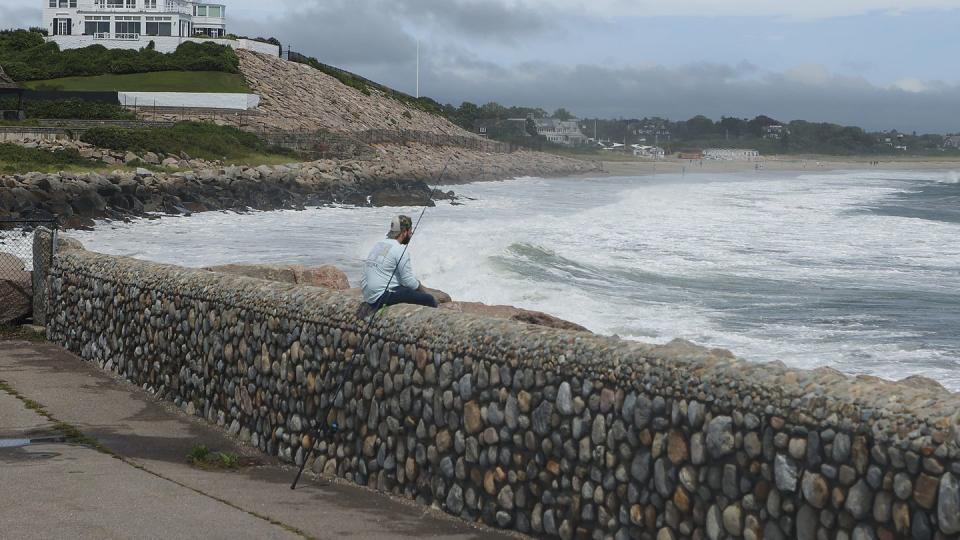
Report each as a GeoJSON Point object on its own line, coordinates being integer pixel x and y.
{"type": "Point", "coordinates": [438, 295]}
{"type": "Point", "coordinates": [328, 277]}
{"type": "Point", "coordinates": [16, 290]}
{"type": "Point", "coordinates": [514, 314]}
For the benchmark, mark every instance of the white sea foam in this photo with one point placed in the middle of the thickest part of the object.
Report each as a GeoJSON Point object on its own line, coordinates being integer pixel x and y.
{"type": "Point", "coordinates": [772, 266]}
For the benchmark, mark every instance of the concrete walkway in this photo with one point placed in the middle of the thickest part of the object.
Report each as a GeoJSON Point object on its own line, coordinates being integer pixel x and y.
{"type": "Point", "coordinates": [141, 486]}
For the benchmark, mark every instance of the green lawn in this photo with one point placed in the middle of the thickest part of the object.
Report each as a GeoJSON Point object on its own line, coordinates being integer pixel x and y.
{"type": "Point", "coordinates": [159, 81]}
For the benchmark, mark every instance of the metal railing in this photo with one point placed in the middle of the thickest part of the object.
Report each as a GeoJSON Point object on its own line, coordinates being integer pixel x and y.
{"type": "Point", "coordinates": [403, 136]}
{"type": "Point", "coordinates": [19, 260]}
{"type": "Point", "coordinates": [320, 144]}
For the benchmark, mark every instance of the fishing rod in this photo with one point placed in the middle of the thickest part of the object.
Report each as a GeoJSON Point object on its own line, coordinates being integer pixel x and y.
{"type": "Point", "coordinates": [347, 371]}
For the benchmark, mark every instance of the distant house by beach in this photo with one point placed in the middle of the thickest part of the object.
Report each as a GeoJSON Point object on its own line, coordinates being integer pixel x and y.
{"type": "Point", "coordinates": [655, 128]}
{"type": "Point", "coordinates": [731, 154]}
{"type": "Point", "coordinates": [891, 138]}
{"type": "Point", "coordinates": [952, 141]}
{"type": "Point", "coordinates": [562, 132]}
{"type": "Point", "coordinates": [133, 24]}
{"type": "Point", "coordinates": [647, 151]}
{"type": "Point", "coordinates": [775, 132]}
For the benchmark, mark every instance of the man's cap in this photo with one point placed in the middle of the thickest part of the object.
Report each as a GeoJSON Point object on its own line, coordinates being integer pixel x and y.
{"type": "Point", "coordinates": [398, 225]}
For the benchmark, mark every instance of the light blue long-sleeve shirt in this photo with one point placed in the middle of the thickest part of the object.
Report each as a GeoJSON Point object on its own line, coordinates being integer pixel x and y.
{"type": "Point", "coordinates": [379, 266]}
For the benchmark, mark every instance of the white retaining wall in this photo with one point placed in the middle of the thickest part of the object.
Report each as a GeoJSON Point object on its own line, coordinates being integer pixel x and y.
{"type": "Point", "coordinates": [164, 44]}
{"type": "Point", "coordinates": [190, 100]}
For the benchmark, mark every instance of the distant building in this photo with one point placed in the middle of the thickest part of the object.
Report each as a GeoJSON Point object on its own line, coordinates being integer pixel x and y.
{"type": "Point", "coordinates": [655, 128]}
{"type": "Point", "coordinates": [952, 141]}
{"type": "Point", "coordinates": [563, 132]}
{"type": "Point", "coordinates": [891, 138]}
{"type": "Point", "coordinates": [133, 24]}
{"type": "Point", "coordinates": [775, 132]}
{"type": "Point", "coordinates": [649, 152]}
{"type": "Point", "coordinates": [730, 154]}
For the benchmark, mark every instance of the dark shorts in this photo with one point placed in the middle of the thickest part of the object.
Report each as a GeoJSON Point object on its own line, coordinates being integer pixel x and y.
{"type": "Point", "coordinates": [405, 295]}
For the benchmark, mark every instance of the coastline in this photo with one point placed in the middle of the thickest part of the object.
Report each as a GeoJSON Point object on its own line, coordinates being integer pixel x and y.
{"type": "Point", "coordinates": [811, 164]}
{"type": "Point", "coordinates": [401, 175]}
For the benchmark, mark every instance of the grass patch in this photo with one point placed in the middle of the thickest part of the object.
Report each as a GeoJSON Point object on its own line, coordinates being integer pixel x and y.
{"type": "Point", "coordinates": [160, 81]}
{"type": "Point", "coordinates": [69, 431]}
{"type": "Point", "coordinates": [20, 333]}
{"type": "Point", "coordinates": [197, 139]}
{"type": "Point", "coordinates": [203, 458]}
{"type": "Point", "coordinates": [17, 159]}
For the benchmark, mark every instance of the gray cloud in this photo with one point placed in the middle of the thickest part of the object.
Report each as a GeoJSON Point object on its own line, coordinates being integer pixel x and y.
{"type": "Point", "coordinates": [709, 89]}
{"type": "Point", "coordinates": [489, 20]}
{"type": "Point", "coordinates": [338, 32]}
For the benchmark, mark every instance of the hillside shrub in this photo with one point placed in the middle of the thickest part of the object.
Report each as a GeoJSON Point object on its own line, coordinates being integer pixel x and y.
{"type": "Point", "coordinates": [68, 109]}
{"type": "Point", "coordinates": [77, 109]}
{"type": "Point", "coordinates": [25, 56]}
{"type": "Point", "coordinates": [17, 159]}
{"type": "Point", "coordinates": [197, 139]}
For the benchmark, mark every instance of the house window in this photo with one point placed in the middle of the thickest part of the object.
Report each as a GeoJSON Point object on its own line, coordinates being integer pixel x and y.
{"type": "Point", "coordinates": [63, 3]}
{"type": "Point", "coordinates": [213, 11]}
{"type": "Point", "coordinates": [150, 4]}
{"type": "Point", "coordinates": [128, 26]}
{"type": "Point", "coordinates": [114, 4]}
{"type": "Point", "coordinates": [131, 4]}
{"type": "Point", "coordinates": [200, 11]}
{"type": "Point", "coordinates": [96, 26]}
{"type": "Point", "coordinates": [156, 27]}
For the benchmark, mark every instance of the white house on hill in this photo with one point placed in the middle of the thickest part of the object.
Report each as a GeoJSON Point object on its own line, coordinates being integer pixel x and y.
{"type": "Point", "coordinates": [132, 24]}
{"type": "Point", "coordinates": [566, 133]}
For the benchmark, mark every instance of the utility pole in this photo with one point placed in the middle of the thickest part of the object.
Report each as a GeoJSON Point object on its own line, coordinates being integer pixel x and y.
{"type": "Point", "coordinates": [418, 69]}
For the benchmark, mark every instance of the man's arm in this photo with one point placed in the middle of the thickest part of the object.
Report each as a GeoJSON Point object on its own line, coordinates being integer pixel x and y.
{"type": "Point", "coordinates": [405, 277]}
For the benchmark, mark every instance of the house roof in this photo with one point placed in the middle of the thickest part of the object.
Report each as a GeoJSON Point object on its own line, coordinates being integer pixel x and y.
{"type": "Point", "coordinates": [6, 82]}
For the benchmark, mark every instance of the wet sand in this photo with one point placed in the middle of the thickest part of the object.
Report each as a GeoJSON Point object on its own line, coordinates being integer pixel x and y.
{"type": "Point", "coordinates": [774, 163]}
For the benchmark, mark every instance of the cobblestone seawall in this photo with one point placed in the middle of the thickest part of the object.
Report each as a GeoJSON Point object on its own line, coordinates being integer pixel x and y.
{"type": "Point", "coordinates": [556, 434]}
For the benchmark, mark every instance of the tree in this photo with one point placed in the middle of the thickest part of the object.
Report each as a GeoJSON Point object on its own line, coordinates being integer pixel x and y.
{"type": "Point", "coordinates": [531, 127]}
{"type": "Point", "coordinates": [733, 127]}
{"type": "Point", "coordinates": [562, 114]}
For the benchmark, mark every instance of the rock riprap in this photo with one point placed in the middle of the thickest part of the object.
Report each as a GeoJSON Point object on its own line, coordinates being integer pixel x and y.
{"type": "Point", "coordinates": [297, 97]}
{"type": "Point", "coordinates": [399, 177]}
{"type": "Point", "coordinates": [548, 432]}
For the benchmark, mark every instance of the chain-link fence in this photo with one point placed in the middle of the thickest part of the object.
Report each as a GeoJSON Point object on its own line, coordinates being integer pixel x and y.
{"type": "Point", "coordinates": [18, 260]}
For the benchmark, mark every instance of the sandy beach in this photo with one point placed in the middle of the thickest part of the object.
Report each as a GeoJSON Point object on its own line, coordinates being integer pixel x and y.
{"type": "Point", "coordinates": [623, 167]}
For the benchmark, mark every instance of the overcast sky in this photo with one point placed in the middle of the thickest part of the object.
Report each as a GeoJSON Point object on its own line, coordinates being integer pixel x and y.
{"type": "Point", "coordinates": [880, 64]}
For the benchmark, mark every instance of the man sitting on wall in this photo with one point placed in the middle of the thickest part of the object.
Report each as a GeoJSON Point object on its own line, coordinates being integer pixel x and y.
{"type": "Point", "coordinates": [388, 265]}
